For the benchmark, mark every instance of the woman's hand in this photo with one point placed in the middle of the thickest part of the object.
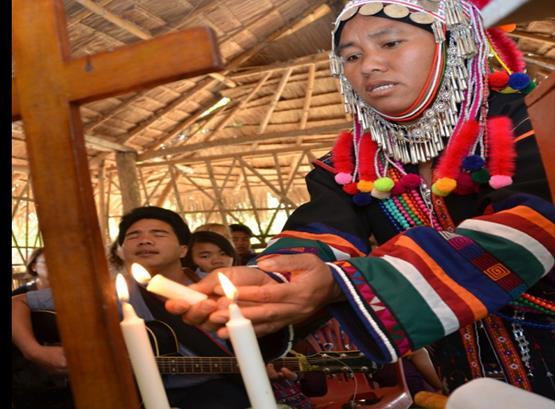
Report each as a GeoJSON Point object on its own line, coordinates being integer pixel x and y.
{"type": "Point", "coordinates": [198, 314]}
{"type": "Point", "coordinates": [268, 304]}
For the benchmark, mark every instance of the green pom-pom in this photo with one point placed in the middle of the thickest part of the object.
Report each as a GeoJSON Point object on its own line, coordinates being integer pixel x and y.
{"type": "Point", "coordinates": [480, 176]}
{"type": "Point", "coordinates": [384, 184]}
{"type": "Point", "coordinates": [530, 87]}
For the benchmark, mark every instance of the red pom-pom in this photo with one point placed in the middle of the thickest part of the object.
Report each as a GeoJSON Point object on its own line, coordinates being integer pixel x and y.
{"type": "Point", "coordinates": [465, 184]}
{"type": "Point", "coordinates": [398, 189]}
{"type": "Point", "coordinates": [410, 181]}
{"type": "Point", "coordinates": [457, 149]}
{"type": "Point", "coordinates": [350, 188]}
{"type": "Point", "coordinates": [342, 153]}
{"type": "Point", "coordinates": [367, 151]}
{"type": "Point", "coordinates": [498, 79]}
{"type": "Point", "coordinates": [501, 160]}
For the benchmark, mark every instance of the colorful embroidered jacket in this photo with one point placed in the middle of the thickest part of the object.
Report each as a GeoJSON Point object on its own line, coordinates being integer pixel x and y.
{"type": "Point", "coordinates": [420, 285]}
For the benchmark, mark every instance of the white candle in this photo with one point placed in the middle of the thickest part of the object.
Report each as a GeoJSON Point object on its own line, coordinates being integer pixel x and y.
{"type": "Point", "coordinates": [247, 351]}
{"type": "Point", "coordinates": [140, 353]}
{"type": "Point", "coordinates": [164, 286]}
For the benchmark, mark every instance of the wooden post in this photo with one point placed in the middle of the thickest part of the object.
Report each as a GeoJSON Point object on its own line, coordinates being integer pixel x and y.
{"type": "Point", "coordinates": [128, 180]}
{"type": "Point", "coordinates": [46, 91]}
{"type": "Point", "coordinates": [541, 106]}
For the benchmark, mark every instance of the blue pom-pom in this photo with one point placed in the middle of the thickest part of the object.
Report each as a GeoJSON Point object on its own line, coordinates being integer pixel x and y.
{"type": "Point", "coordinates": [473, 162]}
{"type": "Point", "coordinates": [519, 81]}
{"type": "Point", "coordinates": [362, 199]}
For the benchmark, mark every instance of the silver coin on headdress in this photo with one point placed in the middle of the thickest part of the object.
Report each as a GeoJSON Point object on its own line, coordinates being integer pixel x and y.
{"type": "Point", "coordinates": [396, 11]}
{"type": "Point", "coordinates": [347, 14]}
{"type": "Point", "coordinates": [370, 9]}
{"type": "Point", "coordinates": [421, 17]}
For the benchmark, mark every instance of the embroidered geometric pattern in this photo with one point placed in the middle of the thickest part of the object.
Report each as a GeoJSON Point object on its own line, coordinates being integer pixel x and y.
{"type": "Point", "coordinates": [497, 272]}
{"type": "Point", "coordinates": [506, 351]}
{"type": "Point", "coordinates": [485, 262]}
{"type": "Point", "coordinates": [379, 309]}
{"type": "Point", "coordinates": [471, 349]}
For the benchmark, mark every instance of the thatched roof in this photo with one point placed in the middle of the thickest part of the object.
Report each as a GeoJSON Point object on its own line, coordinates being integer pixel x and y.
{"type": "Point", "coordinates": [281, 109]}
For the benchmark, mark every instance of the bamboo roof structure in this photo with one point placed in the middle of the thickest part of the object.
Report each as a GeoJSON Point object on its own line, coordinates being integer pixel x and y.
{"type": "Point", "coordinates": [232, 146]}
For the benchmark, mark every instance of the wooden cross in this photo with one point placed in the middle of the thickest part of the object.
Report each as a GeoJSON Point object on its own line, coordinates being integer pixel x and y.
{"type": "Point", "coordinates": [49, 86]}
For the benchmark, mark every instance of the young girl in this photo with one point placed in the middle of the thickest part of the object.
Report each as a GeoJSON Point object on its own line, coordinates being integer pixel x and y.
{"type": "Point", "coordinates": [208, 251]}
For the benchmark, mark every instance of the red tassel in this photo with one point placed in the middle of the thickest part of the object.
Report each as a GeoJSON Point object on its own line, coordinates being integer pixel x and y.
{"type": "Point", "coordinates": [507, 50]}
{"type": "Point", "coordinates": [367, 153]}
{"type": "Point", "coordinates": [501, 147]}
{"type": "Point", "coordinates": [457, 149]}
{"type": "Point", "coordinates": [342, 152]}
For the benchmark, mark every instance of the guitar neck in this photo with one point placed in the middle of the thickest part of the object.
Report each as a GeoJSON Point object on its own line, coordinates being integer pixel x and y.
{"type": "Point", "coordinates": [183, 365]}
{"type": "Point", "coordinates": [328, 362]}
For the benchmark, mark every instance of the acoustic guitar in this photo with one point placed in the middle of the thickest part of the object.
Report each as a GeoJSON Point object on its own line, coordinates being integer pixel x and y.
{"type": "Point", "coordinates": [166, 350]}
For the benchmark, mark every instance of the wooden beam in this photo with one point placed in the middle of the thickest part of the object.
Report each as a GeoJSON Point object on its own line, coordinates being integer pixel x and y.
{"type": "Point", "coordinates": [174, 177]}
{"type": "Point", "coordinates": [237, 108]}
{"type": "Point", "coordinates": [266, 181]}
{"type": "Point", "coordinates": [251, 153]}
{"type": "Point", "coordinates": [541, 38]}
{"type": "Point", "coordinates": [318, 59]}
{"type": "Point", "coordinates": [308, 96]}
{"type": "Point", "coordinates": [92, 77]}
{"type": "Point", "coordinates": [102, 216]}
{"type": "Point", "coordinates": [308, 19]}
{"type": "Point", "coordinates": [106, 145]}
{"type": "Point", "coordinates": [322, 130]}
{"type": "Point", "coordinates": [217, 193]}
{"type": "Point", "coordinates": [76, 19]}
{"type": "Point", "coordinates": [128, 180]}
{"type": "Point", "coordinates": [203, 85]}
{"type": "Point", "coordinates": [116, 20]}
{"type": "Point", "coordinates": [50, 85]}
{"type": "Point", "coordinates": [275, 99]}
{"type": "Point", "coordinates": [62, 187]}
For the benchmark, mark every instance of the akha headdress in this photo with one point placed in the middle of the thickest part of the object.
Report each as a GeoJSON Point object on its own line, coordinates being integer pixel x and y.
{"type": "Point", "coordinates": [450, 115]}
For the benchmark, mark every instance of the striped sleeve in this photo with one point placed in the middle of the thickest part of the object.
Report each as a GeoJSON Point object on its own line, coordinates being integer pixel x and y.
{"type": "Point", "coordinates": [423, 284]}
{"type": "Point", "coordinates": [329, 225]}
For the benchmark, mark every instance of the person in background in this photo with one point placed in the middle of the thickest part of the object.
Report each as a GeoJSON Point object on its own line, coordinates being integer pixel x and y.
{"type": "Point", "coordinates": [157, 239]}
{"type": "Point", "coordinates": [442, 168]}
{"type": "Point", "coordinates": [208, 250]}
{"type": "Point", "coordinates": [219, 228]}
{"type": "Point", "coordinates": [241, 236]}
{"type": "Point", "coordinates": [36, 268]}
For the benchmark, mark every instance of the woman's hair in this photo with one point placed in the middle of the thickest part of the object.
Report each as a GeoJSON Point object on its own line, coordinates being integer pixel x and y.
{"type": "Point", "coordinates": [33, 260]}
{"type": "Point", "coordinates": [219, 228]}
{"type": "Point", "coordinates": [204, 236]}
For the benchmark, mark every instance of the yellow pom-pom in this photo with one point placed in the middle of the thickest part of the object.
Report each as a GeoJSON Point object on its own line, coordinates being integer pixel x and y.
{"type": "Point", "coordinates": [444, 186]}
{"type": "Point", "coordinates": [365, 185]}
{"type": "Point", "coordinates": [384, 184]}
{"type": "Point", "coordinates": [430, 400]}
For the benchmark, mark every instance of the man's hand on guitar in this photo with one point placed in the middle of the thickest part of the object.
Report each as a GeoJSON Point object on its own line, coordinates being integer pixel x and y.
{"type": "Point", "coordinates": [51, 358]}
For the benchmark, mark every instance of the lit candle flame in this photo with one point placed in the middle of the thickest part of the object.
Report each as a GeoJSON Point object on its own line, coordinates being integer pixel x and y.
{"type": "Point", "coordinates": [121, 288]}
{"type": "Point", "coordinates": [139, 273]}
{"type": "Point", "coordinates": [228, 287]}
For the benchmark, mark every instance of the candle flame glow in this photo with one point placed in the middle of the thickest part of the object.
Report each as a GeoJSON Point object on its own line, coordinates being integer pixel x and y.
{"type": "Point", "coordinates": [139, 273]}
{"type": "Point", "coordinates": [121, 288]}
{"type": "Point", "coordinates": [228, 287]}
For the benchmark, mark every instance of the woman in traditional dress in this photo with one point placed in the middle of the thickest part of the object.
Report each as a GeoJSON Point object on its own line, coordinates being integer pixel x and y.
{"type": "Point", "coordinates": [441, 169]}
